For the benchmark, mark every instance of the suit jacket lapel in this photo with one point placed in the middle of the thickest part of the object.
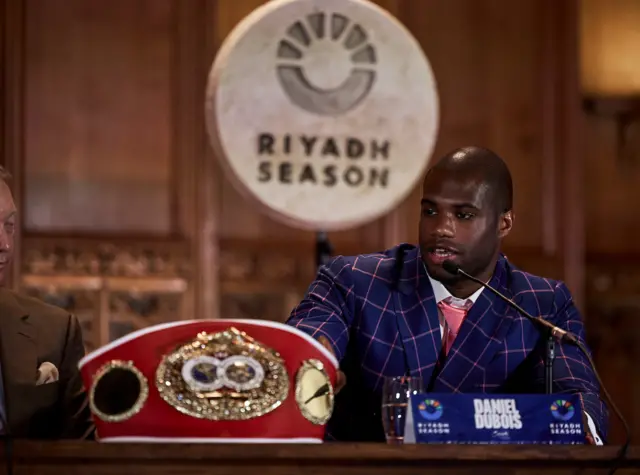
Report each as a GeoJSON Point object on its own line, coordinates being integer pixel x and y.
{"type": "Point", "coordinates": [18, 352]}
{"type": "Point", "coordinates": [481, 335]}
{"type": "Point", "coordinates": [417, 317]}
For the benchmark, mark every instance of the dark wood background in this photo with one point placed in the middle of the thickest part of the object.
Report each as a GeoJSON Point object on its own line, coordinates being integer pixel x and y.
{"type": "Point", "coordinates": [127, 220]}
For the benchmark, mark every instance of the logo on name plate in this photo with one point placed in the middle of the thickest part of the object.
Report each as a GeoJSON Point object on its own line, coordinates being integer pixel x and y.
{"type": "Point", "coordinates": [430, 409]}
{"type": "Point", "coordinates": [562, 410]}
{"type": "Point", "coordinates": [323, 112]}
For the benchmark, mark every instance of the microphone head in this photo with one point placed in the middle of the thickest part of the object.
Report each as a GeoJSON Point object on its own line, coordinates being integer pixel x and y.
{"type": "Point", "coordinates": [451, 267]}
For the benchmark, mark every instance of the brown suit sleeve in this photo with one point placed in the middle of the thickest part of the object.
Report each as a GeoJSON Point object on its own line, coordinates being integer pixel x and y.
{"type": "Point", "coordinates": [76, 420]}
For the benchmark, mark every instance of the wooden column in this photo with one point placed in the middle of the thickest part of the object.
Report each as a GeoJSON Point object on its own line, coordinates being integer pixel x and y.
{"type": "Point", "coordinates": [11, 107]}
{"type": "Point", "coordinates": [570, 143]}
{"type": "Point", "coordinates": [195, 169]}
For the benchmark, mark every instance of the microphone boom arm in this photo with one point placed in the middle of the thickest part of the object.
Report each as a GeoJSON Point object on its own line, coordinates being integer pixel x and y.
{"type": "Point", "coordinates": [553, 334]}
{"type": "Point", "coordinates": [552, 331]}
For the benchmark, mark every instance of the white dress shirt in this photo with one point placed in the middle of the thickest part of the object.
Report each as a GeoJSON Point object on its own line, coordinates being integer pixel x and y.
{"type": "Point", "coordinates": [440, 292]}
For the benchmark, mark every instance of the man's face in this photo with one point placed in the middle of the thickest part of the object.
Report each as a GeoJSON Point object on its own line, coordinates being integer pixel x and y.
{"type": "Point", "coordinates": [460, 222]}
{"type": "Point", "coordinates": [7, 230]}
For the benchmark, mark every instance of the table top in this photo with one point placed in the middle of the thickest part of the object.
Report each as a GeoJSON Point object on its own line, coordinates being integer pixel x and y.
{"type": "Point", "coordinates": [329, 452]}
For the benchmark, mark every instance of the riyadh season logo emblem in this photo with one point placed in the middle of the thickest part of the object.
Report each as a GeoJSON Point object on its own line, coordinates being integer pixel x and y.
{"type": "Point", "coordinates": [562, 410]}
{"type": "Point", "coordinates": [326, 64]}
{"type": "Point", "coordinates": [430, 409]}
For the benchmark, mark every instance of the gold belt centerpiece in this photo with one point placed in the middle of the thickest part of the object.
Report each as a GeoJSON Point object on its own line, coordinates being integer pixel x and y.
{"type": "Point", "coordinates": [225, 376]}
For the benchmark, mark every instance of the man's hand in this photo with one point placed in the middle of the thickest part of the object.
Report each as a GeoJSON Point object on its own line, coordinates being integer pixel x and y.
{"type": "Point", "coordinates": [341, 378]}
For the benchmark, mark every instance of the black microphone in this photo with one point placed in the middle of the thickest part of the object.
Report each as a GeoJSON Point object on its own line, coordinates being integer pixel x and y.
{"type": "Point", "coordinates": [324, 249]}
{"type": "Point", "coordinates": [561, 335]}
{"type": "Point", "coordinates": [553, 331]}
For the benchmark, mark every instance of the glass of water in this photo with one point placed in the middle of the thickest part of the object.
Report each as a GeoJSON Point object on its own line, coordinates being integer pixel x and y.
{"type": "Point", "coordinates": [395, 398]}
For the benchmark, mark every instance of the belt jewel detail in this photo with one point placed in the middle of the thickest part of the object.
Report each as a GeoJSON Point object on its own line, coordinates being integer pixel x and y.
{"type": "Point", "coordinates": [225, 376]}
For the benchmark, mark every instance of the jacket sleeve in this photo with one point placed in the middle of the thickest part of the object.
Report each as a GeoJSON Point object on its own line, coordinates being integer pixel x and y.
{"type": "Point", "coordinates": [76, 416]}
{"type": "Point", "coordinates": [572, 371]}
{"type": "Point", "coordinates": [328, 306]}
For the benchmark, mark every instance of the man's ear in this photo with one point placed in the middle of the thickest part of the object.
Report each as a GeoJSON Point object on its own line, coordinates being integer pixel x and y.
{"type": "Point", "coordinates": [506, 223]}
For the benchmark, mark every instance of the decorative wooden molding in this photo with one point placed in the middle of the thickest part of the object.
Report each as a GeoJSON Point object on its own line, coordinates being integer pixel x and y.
{"type": "Point", "coordinates": [112, 287]}
{"type": "Point", "coordinates": [76, 256]}
{"type": "Point", "coordinates": [79, 298]}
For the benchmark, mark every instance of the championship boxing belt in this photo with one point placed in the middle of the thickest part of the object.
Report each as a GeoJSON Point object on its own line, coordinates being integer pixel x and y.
{"type": "Point", "coordinates": [211, 381]}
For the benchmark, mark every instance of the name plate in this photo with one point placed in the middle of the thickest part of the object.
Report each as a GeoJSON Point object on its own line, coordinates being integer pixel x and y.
{"type": "Point", "coordinates": [494, 419]}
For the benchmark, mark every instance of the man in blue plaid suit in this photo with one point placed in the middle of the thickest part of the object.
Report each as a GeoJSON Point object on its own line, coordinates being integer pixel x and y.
{"type": "Point", "coordinates": [382, 314]}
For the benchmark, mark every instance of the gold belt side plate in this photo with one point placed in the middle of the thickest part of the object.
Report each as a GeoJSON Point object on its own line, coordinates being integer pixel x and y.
{"type": "Point", "coordinates": [225, 376]}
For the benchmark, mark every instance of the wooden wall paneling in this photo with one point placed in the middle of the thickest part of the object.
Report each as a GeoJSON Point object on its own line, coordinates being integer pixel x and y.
{"type": "Point", "coordinates": [613, 306]}
{"type": "Point", "coordinates": [573, 216]}
{"type": "Point", "coordinates": [394, 223]}
{"type": "Point", "coordinates": [613, 188]}
{"type": "Point", "coordinates": [612, 176]}
{"type": "Point", "coordinates": [200, 182]}
{"type": "Point", "coordinates": [551, 76]}
{"type": "Point", "coordinates": [127, 116]}
{"type": "Point", "coordinates": [612, 161]}
{"type": "Point", "coordinates": [98, 152]}
{"type": "Point", "coordinates": [237, 217]}
{"type": "Point", "coordinates": [11, 112]}
{"type": "Point", "coordinates": [604, 292]}
{"type": "Point", "coordinates": [612, 248]}
{"type": "Point", "coordinates": [487, 62]}
{"type": "Point", "coordinates": [609, 38]}
{"type": "Point", "coordinates": [512, 60]}
{"type": "Point", "coordinates": [3, 72]}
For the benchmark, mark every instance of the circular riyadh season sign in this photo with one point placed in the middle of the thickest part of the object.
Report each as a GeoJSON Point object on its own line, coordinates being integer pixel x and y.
{"type": "Point", "coordinates": [324, 111]}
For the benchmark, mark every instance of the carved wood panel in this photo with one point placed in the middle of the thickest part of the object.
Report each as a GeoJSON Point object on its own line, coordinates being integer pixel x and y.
{"type": "Point", "coordinates": [112, 287]}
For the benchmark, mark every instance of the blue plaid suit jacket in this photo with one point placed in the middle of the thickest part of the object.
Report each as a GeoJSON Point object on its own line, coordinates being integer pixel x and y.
{"type": "Point", "coordinates": [380, 315]}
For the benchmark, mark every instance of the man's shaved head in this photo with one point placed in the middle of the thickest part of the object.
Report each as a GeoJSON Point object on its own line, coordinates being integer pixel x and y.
{"type": "Point", "coordinates": [466, 212]}
{"type": "Point", "coordinates": [486, 165]}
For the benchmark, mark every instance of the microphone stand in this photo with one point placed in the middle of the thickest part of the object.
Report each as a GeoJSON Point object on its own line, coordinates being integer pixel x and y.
{"type": "Point", "coordinates": [324, 249]}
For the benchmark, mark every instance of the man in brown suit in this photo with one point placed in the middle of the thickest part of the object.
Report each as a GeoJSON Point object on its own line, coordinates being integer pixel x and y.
{"type": "Point", "coordinates": [41, 393]}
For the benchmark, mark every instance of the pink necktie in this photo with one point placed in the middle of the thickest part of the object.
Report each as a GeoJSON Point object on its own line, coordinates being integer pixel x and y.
{"type": "Point", "coordinates": [454, 317]}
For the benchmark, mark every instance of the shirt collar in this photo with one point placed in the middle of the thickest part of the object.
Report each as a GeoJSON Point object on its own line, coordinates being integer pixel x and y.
{"type": "Point", "coordinates": [441, 293]}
